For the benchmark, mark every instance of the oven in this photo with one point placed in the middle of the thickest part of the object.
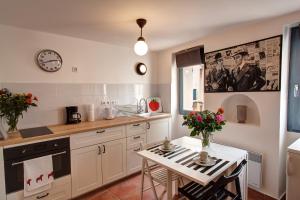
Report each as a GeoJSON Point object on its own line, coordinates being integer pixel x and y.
{"type": "Point", "coordinates": [14, 157]}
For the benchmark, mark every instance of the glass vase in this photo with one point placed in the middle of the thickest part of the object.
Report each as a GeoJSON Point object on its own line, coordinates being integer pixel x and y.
{"type": "Point", "coordinates": [12, 124]}
{"type": "Point", "coordinates": [205, 140]}
{"type": "Point", "coordinates": [4, 128]}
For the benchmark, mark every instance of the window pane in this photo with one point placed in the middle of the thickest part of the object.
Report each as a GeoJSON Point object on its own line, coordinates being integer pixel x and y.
{"type": "Point", "coordinates": [294, 82]}
{"type": "Point", "coordinates": [191, 85]}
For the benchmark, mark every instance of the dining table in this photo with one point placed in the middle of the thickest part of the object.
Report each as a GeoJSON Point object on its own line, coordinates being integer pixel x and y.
{"type": "Point", "coordinates": [181, 162]}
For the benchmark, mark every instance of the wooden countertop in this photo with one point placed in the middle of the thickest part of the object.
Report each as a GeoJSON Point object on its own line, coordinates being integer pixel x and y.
{"type": "Point", "coordinates": [66, 130]}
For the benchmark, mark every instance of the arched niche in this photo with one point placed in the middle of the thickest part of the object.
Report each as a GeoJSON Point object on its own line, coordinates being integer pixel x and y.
{"type": "Point", "coordinates": [230, 107]}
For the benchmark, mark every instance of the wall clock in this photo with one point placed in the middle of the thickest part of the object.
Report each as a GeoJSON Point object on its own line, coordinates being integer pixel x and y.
{"type": "Point", "coordinates": [141, 69]}
{"type": "Point", "coordinates": [49, 60]}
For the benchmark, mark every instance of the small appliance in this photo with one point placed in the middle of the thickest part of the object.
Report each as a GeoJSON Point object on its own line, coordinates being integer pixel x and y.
{"type": "Point", "coordinates": [73, 116]}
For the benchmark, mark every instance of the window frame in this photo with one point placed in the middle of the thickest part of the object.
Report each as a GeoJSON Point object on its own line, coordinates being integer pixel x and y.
{"type": "Point", "coordinates": [180, 90]}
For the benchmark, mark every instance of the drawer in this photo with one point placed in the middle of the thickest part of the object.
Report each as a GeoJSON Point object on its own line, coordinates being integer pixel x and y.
{"type": "Point", "coordinates": [135, 129]}
{"type": "Point", "coordinates": [135, 141]}
{"type": "Point", "coordinates": [95, 137]}
{"type": "Point", "coordinates": [134, 161]}
{"type": "Point", "coordinates": [60, 190]}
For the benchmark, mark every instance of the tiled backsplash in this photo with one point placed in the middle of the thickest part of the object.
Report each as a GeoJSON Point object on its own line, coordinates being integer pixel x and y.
{"type": "Point", "coordinates": [54, 97]}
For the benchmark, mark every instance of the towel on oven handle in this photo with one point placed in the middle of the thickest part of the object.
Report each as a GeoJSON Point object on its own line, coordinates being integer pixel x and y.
{"type": "Point", "coordinates": [38, 175]}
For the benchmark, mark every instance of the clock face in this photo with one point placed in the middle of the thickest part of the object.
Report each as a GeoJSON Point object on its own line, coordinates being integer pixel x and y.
{"type": "Point", "coordinates": [49, 60]}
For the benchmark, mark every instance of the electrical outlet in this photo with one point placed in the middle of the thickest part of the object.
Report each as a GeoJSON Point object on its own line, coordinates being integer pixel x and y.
{"type": "Point", "coordinates": [74, 69]}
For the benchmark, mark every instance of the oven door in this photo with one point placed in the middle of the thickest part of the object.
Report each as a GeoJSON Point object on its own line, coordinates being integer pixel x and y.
{"type": "Point", "coordinates": [14, 171]}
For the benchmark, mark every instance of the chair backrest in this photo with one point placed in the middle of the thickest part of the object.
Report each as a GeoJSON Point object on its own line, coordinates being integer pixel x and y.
{"type": "Point", "coordinates": [223, 181]}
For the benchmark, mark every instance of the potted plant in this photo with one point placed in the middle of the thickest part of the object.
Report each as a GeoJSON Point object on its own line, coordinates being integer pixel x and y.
{"type": "Point", "coordinates": [12, 107]}
{"type": "Point", "coordinates": [204, 123]}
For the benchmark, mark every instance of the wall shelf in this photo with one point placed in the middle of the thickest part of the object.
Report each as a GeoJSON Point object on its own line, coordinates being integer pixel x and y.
{"type": "Point", "coordinates": [230, 103]}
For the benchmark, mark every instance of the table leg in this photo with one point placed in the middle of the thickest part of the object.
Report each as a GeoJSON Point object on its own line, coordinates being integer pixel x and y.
{"type": "Point", "coordinates": [169, 184]}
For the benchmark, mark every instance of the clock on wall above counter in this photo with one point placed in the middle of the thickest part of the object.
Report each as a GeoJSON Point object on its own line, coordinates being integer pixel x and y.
{"type": "Point", "coordinates": [49, 60]}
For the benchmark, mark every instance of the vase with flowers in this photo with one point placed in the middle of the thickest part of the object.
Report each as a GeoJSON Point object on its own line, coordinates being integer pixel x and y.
{"type": "Point", "coordinates": [12, 107]}
{"type": "Point", "coordinates": [204, 123]}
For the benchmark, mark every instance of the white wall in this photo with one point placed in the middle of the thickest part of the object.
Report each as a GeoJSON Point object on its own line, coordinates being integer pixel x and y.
{"type": "Point", "coordinates": [99, 66]}
{"type": "Point", "coordinates": [263, 139]}
{"type": "Point", "coordinates": [96, 62]}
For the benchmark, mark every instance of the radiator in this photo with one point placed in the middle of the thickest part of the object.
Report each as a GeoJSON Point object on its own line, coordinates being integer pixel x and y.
{"type": "Point", "coordinates": [254, 170]}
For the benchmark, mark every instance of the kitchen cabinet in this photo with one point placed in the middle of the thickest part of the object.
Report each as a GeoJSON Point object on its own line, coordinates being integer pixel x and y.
{"type": "Point", "coordinates": [293, 173]}
{"type": "Point", "coordinates": [86, 169]}
{"type": "Point", "coordinates": [106, 155]}
{"type": "Point", "coordinates": [157, 130]}
{"type": "Point", "coordinates": [60, 190]}
{"type": "Point", "coordinates": [134, 161]}
{"type": "Point", "coordinates": [2, 176]}
{"type": "Point", "coordinates": [113, 160]}
{"type": "Point", "coordinates": [136, 135]}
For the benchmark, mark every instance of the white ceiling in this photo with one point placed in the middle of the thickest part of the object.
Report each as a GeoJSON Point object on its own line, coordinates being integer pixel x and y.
{"type": "Point", "coordinates": [170, 22]}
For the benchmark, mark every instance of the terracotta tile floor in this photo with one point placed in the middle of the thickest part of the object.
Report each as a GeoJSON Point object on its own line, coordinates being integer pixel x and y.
{"type": "Point", "coordinates": [129, 189]}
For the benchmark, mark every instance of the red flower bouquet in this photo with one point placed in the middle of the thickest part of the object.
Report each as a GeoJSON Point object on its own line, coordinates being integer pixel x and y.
{"type": "Point", "coordinates": [12, 107]}
{"type": "Point", "coordinates": [205, 123]}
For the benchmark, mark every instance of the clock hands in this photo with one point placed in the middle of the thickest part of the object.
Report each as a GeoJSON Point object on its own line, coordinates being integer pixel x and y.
{"type": "Point", "coordinates": [50, 61]}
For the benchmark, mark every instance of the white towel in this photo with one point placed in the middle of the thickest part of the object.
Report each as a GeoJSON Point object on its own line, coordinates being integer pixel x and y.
{"type": "Point", "coordinates": [38, 175]}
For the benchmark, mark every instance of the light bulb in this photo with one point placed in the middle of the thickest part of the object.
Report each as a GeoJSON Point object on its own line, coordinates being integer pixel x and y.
{"type": "Point", "coordinates": [140, 47]}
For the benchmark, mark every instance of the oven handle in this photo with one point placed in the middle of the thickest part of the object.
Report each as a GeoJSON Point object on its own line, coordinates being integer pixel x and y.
{"type": "Point", "coordinates": [56, 154]}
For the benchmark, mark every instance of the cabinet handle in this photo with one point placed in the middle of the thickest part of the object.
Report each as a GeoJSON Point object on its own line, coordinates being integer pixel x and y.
{"type": "Point", "coordinates": [136, 124]}
{"type": "Point", "coordinates": [43, 196]}
{"type": "Point", "coordinates": [101, 131]}
{"type": "Point", "coordinates": [289, 166]}
{"type": "Point", "coordinates": [103, 148]}
{"type": "Point", "coordinates": [148, 125]}
{"type": "Point", "coordinates": [136, 137]}
{"type": "Point", "coordinates": [99, 150]}
{"type": "Point", "coordinates": [136, 150]}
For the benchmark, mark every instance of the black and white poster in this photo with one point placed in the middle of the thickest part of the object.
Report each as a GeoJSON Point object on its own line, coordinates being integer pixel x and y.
{"type": "Point", "coordinates": [254, 66]}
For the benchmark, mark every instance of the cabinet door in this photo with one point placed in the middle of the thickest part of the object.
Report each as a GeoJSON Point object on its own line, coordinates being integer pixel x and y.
{"type": "Point", "coordinates": [293, 176]}
{"type": "Point", "coordinates": [157, 130]}
{"type": "Point", "coordinates": [86, 169]}
{"type": "Point", "coordinates": [113, 160]}
{"type": "Point", "coordinates": [134, 161]}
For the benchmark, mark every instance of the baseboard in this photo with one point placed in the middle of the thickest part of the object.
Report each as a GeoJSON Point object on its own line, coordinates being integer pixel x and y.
{"type": "Point", "coordinates": [283, 196]}
{"type": "Point", "coordinates": [259, 195]}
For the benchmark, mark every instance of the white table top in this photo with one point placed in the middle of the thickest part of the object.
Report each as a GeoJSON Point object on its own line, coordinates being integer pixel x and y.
{"type": "Point", "coordinates": [187, 147]}
{"type": "Point", "coordinates": [295, 147]}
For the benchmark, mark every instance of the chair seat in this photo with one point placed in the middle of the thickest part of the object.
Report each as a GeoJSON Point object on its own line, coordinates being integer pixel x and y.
{"type": "Point", "coordinates": [195, 191]}
{"type": "Point", "coordinates": [160, 175]}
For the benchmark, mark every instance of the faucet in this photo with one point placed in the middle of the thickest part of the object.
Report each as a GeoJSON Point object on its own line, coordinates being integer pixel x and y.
{"type": "Point", "coordinates": [139, 105]}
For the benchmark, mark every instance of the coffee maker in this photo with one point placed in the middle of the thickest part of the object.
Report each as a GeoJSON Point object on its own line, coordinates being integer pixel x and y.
{"type": "Point", "coordinates": [73, 116]}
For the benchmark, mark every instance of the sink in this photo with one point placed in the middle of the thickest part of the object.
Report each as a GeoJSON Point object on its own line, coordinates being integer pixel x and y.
{"type": "Point", "coordinates": [149, 114]}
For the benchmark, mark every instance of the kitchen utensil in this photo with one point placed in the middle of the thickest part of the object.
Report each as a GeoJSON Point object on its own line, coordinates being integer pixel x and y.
{"type": "Point", "coordinates": [91, 112]}
{"type": "Point", "coordinates": [209, 162]}
{"type": "Point", "coordinates": [171, 148]}
{"type": "Point", "coordinates": [73, 116]}
{"type": "Point", "coordinates": [203, 156]}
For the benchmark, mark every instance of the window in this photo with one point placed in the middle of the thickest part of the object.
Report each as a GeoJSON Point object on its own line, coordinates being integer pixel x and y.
{"type": "Point", "coordinates": [191, 88]}
{"type": "Point", "coordinates": [294, 82]}
{"type": "Point", "coordinates": [190, 63]}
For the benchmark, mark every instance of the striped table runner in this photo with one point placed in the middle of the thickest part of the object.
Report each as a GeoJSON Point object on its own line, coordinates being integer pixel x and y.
{"type": "Point", "coordinates": [186, 159]}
